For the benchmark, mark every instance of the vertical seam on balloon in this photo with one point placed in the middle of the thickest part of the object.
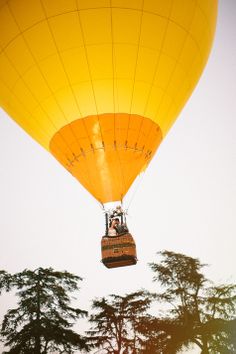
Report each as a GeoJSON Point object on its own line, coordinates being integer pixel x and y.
{"type": "Point", "coordinates": [73, 94]}
{"type": "Point", "coordinates": [39, 104]}
{"type": "Point", "coordinates": [158, 58]}
{"type": "Point", "coordinates": [60, 58]}
{"type": "Point", "coordinates": [176, 62]}
{"type": "Point", "coordinates": [173, 99]}
{"type": "Point", "coordinates": [17, 98]}
{"type": "Point", "coordinates": [66, 74]}
{"type": "Point", "coordinates": [12, 92]}
{"type": "Point", "coordinates": [153, 124]}
{"type": "Point", "coordinates": [68, 81]}
{"type": "Point", "coordinates": [121, 171]}
{"type": "Point", "coordinates": [37, 65]}
{"type": "Point", "coordinates": [122, 177]}
{"type": "Point", "coordinates": [25, 108]}
{"type": "Point", "coordinates": [157, 63]}
{"type": "Point", "coordinates": [174, 69]}
{"type": "Point", "coordinates": [113, 69]}
{"type": "Point", "coordinates": [149, 132]}
{"type": "Point", "coordinates": [211, 33]}
{"type": "Point", "coordinates": [31, 114]}
{"type": "Point", "coordinates": [89, 69]}
{"type": "Point", "coordinates": [135, 71]}
{"type": "Point", "coordinates": [23, 105]}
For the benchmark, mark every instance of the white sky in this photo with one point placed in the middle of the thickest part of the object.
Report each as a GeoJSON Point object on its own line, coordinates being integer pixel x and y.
{"type": "Point", "coordinates": [185, 203]}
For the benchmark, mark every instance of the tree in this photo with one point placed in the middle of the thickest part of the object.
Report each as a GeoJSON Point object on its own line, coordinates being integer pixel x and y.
{"type": "Point", "coordinates": [5, 281]}
{"type": "Point", "coordinates": [114, 326]}
{"type": "Point", "coordinates": [198, 313]}
{"type": "Point", "coordinates": [43, 320]}
{"type": "Point", "coordinates": [218, 318]}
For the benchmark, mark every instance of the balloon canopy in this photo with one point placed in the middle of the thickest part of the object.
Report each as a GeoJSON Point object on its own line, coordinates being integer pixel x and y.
{"type": "Point", "coordinates": [99, 83]}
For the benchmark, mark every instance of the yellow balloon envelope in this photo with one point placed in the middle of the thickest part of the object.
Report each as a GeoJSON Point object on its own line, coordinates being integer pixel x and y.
{"type": "Point", "coordinates": [99, 83]}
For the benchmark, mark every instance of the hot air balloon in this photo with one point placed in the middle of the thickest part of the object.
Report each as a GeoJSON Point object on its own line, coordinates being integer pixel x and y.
{"type": "Point", "coordinates": [98, 83]}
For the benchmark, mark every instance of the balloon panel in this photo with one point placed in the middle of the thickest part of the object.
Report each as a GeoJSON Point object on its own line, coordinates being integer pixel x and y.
{"type": "Point", "coordinates": [106, 152]}
{"type": "Point", "coordinates": [66, 61]}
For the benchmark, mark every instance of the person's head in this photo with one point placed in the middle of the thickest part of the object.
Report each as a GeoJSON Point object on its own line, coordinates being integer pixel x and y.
{"type": "Point", "coordinates": [117, 220]}
{"type": "Point", "coordinates": [112, 222]}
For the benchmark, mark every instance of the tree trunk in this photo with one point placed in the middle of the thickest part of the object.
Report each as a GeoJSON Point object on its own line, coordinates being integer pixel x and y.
{"type": "Point", "coordinates": [204, 347]}
{"type": "Point", "coordinates": [37, 334]}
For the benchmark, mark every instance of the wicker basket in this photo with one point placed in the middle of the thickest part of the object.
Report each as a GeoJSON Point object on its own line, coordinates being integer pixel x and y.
{"type": "Point", "coordinates": [118, 251]}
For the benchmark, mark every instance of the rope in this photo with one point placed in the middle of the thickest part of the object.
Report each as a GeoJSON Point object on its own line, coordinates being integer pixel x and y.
{"type": "Point", "coordinates": [136, 188]}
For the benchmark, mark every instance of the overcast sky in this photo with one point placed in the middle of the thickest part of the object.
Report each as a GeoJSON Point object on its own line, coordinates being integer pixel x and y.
{"type": "Point", "coordinates": [186, 201]}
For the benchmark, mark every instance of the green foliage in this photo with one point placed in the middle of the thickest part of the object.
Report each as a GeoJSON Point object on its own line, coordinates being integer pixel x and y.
{"type": "Point", "coordinates": [116, 321]}
{"type": "Point", "coordinates": [199, 313]}
{"type": "Point", "coordinates": [43, 320]}
{"type": "Point", "coordinates": [5, 281]}
{"type": "Point", "coordinates": [195, 311]}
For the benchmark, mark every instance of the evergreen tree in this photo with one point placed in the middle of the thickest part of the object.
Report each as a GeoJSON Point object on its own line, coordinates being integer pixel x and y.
{"type": "Point", "coordinates": [5, 281]}
{"type": "Point", "coordinates": [42, 322]}
{"type": "Point", "coordinates": [116, 321]}
{"type": "Point", "coordinates": [198, 313]}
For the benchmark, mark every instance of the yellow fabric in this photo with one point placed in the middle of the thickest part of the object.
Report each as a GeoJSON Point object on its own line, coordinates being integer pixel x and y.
{"type": "Point", "coordinates": [106, 152]}
{"type": "Point", "coordinates": [62, 60]}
